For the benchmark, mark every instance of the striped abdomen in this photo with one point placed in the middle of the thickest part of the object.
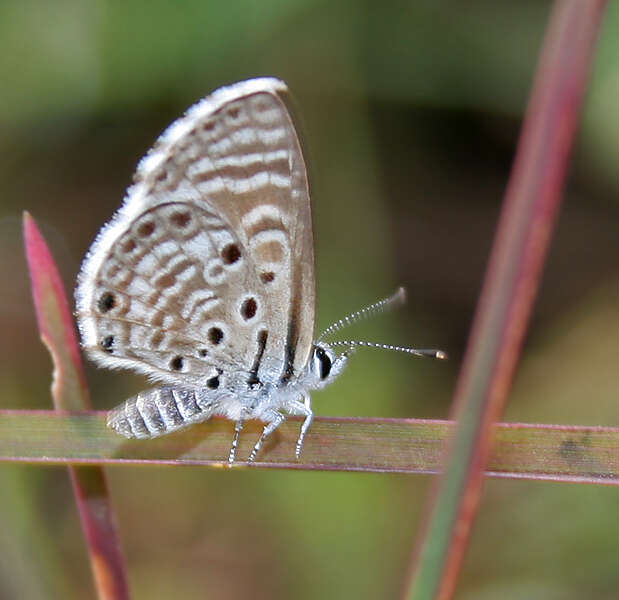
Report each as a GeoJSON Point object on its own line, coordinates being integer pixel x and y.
{"type": "Point", "coordinates": [158, 411]}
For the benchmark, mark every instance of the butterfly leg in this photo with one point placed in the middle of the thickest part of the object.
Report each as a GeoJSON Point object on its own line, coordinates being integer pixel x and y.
{"type": "Point", "coordinates": [238, 427]}
{"type": "Point", "coordinates": [304, 409]}
{"type": "Point", "coordinates": [274, 420]}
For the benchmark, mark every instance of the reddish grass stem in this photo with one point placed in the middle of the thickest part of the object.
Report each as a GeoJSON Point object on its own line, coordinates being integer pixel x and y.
{"type": "Point", "coordinates": [512, 278]}
{"type": "Point", "coordinates": [70, 392]}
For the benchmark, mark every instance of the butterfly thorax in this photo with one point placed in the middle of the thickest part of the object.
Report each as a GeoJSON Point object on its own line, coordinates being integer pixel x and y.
{"type": "Point", "coordinates": [263, 398]}
{"type": "Point", "coordinates": [275, 390]}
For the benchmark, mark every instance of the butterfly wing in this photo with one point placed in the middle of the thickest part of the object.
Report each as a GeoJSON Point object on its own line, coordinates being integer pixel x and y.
{"type": "Point", "coordinates": [208, 266]}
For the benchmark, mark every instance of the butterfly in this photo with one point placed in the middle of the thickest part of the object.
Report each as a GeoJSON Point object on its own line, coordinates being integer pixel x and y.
{"type": "Point", "coordinates": [204, 278]}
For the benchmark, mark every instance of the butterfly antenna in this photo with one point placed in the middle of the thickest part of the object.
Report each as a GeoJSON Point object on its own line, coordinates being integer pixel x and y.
{"type": "Point", "coordinates": [430, 352]}
{"type": "Point", "coordinates": [372, 310]}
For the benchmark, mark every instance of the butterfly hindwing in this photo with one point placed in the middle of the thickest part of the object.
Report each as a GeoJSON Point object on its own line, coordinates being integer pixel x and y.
{"type": "Point", "coordinates": [169, 300]}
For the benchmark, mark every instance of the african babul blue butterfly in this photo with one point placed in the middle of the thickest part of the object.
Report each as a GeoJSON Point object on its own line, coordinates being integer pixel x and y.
{"type": "Point", "coordinates": [204, 279]}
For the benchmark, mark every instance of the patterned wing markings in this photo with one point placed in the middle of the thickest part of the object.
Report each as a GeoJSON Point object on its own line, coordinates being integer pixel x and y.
{"type": "Point", "coordinates": [239, 152]}
{"type": "Point", "coordinates": [211, 321]}
{"type": "Point", "coordinates": [235, 155]}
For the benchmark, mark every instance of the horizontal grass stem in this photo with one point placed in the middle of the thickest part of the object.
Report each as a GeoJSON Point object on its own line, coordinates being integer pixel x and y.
{"type": "Point", "coordinates": [521, 451]}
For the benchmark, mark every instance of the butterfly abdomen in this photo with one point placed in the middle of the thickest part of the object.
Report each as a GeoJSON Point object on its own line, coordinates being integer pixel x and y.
{"type": "Point", "coordinates": [155, 412]}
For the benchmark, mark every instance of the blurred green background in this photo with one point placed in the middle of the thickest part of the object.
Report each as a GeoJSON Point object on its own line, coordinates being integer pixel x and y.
{"type": "Point", "coordinates": [411, 113]}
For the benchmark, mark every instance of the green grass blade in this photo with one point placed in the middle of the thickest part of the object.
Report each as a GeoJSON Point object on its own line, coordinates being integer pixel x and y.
{"type": "Point", "coordinates": [522, 451]}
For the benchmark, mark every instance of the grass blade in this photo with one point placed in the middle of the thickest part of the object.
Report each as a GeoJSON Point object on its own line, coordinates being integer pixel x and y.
{"type": "Point", "coordinates": [523, 451]}
{"type": "Point", "coordinates": [531, 202]}
{"type": "Point", "coordinates": [70, 392]}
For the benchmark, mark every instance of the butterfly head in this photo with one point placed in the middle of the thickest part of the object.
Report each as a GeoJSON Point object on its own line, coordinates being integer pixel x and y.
{"type": "Point", "coordinates": [325, 362]}
{"type": "Point", "coordinates": [325, 365]}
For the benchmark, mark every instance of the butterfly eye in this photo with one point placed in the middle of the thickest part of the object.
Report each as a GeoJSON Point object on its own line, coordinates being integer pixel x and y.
{"type": "Point", "coordinates": [322, 363]}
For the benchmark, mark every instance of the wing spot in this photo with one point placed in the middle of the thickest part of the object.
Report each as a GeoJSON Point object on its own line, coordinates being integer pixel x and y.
{"type": "Point", "coordinates": [129, 246]}
{"type": "Point", "coordinates": [180, 219]}
{"type": "Point", "coordinates": [203, 353]}
{"type": "Point", "coordinates": [230, 254]}
{"type": "Point", "coordinates": [215, 335]}
{"type": "Point", "coordinates": [112, 270]}
{"type": "Point", "coordinates": [107, 343]}
{"type": "Point", "coordinates": [208, 126]}
{"type": "Point", "coordinates": [233, 113]}
{"type": "Point", "coordinates": [216, 271]}
{"type": "Point", "coordinates": [177, 363]}
{"type": "Point", "coordinates": [107, 301]}
{"type": "Point", "coordinates": [213, 382]}
{"type": "Point", "coordinates": [272, 251]}
{"type": "Point", "coordinates": [146, 229]}
{"type": "Point", "coordinates": [165, 281]}
{"type": "Point", "coordinates": [267, 277]}
{"type": "Point", "coordinates": [249, 309]}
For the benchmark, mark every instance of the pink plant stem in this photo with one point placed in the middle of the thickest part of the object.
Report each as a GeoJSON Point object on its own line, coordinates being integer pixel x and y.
{"type": "Point", "coordinates": [70, 392]}
{"type": "Point", "coordinates": [532, 198]}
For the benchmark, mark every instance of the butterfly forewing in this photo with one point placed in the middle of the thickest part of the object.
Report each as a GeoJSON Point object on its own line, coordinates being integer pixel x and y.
{"type": "Point", "coordinates": [208, 266]}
